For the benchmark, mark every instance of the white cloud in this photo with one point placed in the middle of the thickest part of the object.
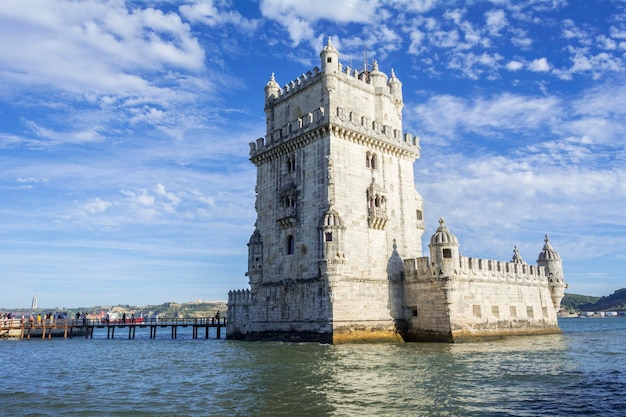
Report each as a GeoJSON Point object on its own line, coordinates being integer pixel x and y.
{"type": "Point", "coordinates": [208, 13]}
{"type": "Point", "coordinates": [58, 137]}
{"type": "Point", "coordinates": [495, 21]}
{"type": "Point", "coordinates": [92, 46]}
{"type": "Point", "coordinates": [96, 205]}
{"type": "Point", "coordinates": [418, 6]}
{"type": "Point", "coordinates": [297, 17]}
{"type": "Point", "coordinates": [448, 115]}
{"type": "Point", "coordinates": [539, 65]}
{"type": "Point", "coordinates": [514, 65]}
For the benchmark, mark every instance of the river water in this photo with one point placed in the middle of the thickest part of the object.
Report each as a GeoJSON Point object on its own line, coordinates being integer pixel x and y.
{"type": "Point", "coordinates": [581, 372]}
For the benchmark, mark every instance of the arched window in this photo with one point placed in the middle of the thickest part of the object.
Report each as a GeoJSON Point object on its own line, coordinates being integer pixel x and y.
{"type": "Point", "coordinates": [291, 164]}
{"type": "Point", "coordinates": [291, 245]}
{"type": "Point", "coordinates": [371, 160]}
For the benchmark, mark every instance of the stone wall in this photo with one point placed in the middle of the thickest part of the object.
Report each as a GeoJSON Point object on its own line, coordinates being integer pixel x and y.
{"type": "Point", "coordinates": [483, 298]}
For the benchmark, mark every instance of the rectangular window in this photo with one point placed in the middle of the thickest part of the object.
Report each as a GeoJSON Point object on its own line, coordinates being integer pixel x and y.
{"type": "Point", "coordinates": [329, 237]}
{"type": "Point", "coordinates": [513, 312]}
{"type": "Point", "coordinates": [529, 312]}
{"type": "Point", "coordinates": [419, 215]}
{"type": "Point", "coordinates": [495, 311]}
{"type": "Point", "coordinates": [447, 253]}
{"type": "Point", "coordinates": [476, 311]}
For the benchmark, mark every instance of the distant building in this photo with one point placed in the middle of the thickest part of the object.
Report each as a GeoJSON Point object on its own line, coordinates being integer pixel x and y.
{"type": "Point", "coordinates": [336, 255]}
{"type": "Point", "coordinates": [33, 304]}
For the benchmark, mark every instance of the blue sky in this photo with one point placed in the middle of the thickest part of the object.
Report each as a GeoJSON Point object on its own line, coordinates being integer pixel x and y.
{"type": "Point", "coordinates": [124, 131]}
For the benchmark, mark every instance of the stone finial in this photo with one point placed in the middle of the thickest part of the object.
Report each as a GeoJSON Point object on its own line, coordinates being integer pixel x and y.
{"type": "Point", "coordinates": [548, 252]}
{"type": "Point", "coordinates": [375, 66]}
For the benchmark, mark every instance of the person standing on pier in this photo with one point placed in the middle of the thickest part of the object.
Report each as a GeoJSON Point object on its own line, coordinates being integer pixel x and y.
{"type": "Point", "coordinates": [124, 318]}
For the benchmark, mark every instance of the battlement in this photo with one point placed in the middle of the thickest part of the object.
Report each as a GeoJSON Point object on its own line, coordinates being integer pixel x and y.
{"type": "Point", "coordinates": [478, 269]}
{"type": "Point", "coordinates": [358, 78]}
{"type": "Point", "coordinates": [356, 123]}
{"type": "Point", "coordinates": [238, 297]}
{"type": "Point", "coordinates": [291, 88]}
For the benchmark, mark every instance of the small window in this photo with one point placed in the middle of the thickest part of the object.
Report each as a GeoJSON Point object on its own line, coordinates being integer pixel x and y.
{"type": "Point", "coordinates": [329, 60]}
{"type": "Point", "coordinates": [374, 162]}
{"type": "Point", "coordinates": [529, 312]}
{"type": "Point", "coordinates": [419, 214]}
{"type": "Point", "coordinates": [414, 312]}
{"type": "Point", "coordinates": [329, 236]}
{"type": "Point", "coordinates": [447, 253]}
{"type": "Point", "coordinates": [291, 245]}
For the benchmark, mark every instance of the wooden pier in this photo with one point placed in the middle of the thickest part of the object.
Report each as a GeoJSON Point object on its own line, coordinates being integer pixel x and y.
{"type": "Point", "coordinates": [68, 328]}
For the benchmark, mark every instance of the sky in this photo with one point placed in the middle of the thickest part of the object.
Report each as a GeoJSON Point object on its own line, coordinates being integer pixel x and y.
{"type": "Point", "coordinates": [124, 131]}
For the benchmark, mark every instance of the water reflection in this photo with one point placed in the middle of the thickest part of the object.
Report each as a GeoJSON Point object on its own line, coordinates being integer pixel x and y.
{"type": "Point", "coordinates": [515, 376]}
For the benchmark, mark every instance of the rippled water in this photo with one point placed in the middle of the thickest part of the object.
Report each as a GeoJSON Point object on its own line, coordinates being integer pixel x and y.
{"type": "Point", "coordinates": [581, 372]}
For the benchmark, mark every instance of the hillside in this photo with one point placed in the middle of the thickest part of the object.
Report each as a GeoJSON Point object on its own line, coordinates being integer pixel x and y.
{"type": "Point", "coordinates": [571, 302]}
{"type": "Point", "coordinates": [575, 303]}
{"type": "Point", "coordinates": [613, 302]}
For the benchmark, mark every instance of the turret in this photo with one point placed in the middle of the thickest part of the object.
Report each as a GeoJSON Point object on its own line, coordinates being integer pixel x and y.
{"type": "Point", "coordinates": [331, 230]}
{"type": "Point", "coordinates": [517, 258]}
{"type": "Point", "coordinates": [255, 260]}
{"type": "Point", "coordinates": [444, 251]}
{"type": "Point", "coordinates": [330, 58]}
{"type": "Point", "coordinates": [551, 260]}
{"type": "Point", "coordinates": [272, 89]}
{"type": "Point", "coordinates": [395, 88]}
{"type": "Point", "coordinates": [377, 77]}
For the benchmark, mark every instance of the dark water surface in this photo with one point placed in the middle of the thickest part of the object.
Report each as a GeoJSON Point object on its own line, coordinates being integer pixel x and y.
{"type": "Point", "coordinates": [579, 373]}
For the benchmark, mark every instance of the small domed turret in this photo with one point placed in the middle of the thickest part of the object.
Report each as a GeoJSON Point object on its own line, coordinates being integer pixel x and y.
{"type": "Point", "coordinates": [377, 77]}
{"type": "Point", "coordinates": [330, 58]}
{"type": "Point", "coordinates": [517, 258]}
{"type": "Point", "coordinates": [444, 251]}
{"type": "Point", "coordinates": [272, 89]}
{"type": "Point", "coordinates": [551, 261]}
{"type": "Point", "coordinates": [395, 86]}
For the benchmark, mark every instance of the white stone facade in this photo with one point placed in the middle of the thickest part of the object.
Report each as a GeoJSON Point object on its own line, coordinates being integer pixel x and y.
{"type": "Point", "coordinates": [336, 255]}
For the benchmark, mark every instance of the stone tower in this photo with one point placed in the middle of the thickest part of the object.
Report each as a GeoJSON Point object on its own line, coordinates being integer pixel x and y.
{"type": "Point", "coordinates": [337, 209]}
{"type": "Point", "coordinates": [551, 260]}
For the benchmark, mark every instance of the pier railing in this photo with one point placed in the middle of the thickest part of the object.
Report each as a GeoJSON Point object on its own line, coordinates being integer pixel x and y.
{"type": "Point", "coordinates": [67, 328]}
